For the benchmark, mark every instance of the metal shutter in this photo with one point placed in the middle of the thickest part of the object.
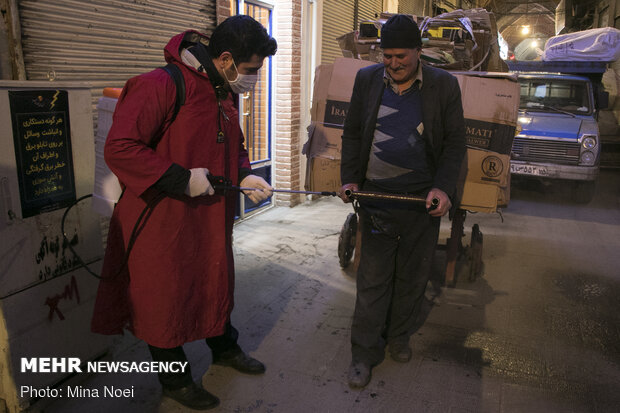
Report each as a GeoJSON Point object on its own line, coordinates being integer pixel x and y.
{"type": "Point", "coordinates": [104, 42]}
{"type": "Point", "coordinates": [367, 10]}
{"type": "Point", "coordinates": [337, 20]}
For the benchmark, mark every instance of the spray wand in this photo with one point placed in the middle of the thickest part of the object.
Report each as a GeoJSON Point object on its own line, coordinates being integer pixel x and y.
{"type": "Point", "coordinates": [222, 183]}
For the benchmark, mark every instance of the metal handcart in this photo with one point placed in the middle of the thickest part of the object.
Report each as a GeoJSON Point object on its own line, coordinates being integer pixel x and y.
{"type": "Point", "coordinates": [349, 244]}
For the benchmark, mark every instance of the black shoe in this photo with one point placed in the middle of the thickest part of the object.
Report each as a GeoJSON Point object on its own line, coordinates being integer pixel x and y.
{"type": "Point", "coordinates": [240, 362]}
{"type": "Point", "coordinates": [400, 351]}
{"type": "Point", "coordinates": [193, 396]}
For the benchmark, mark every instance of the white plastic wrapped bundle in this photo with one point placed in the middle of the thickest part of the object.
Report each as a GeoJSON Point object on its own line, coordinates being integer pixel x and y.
{"type": "Point", "coordinates": [601, 45]}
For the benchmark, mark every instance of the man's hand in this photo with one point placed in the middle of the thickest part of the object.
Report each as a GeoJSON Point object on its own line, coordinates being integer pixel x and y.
{"type": "Point", "coordinates": [444, 202]}
{"type": "Point", "coordinates": [253, 181]}
{"type": "Point", "coordinates": [198, 183]}
{"type": "Point", "coordinates": [351, 187]}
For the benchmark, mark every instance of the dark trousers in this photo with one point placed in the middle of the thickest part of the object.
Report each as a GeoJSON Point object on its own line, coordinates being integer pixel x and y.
{"type": "Point", "coordinates": [395, 265]}
{"type": "Point", "coordinates": [221, 346]}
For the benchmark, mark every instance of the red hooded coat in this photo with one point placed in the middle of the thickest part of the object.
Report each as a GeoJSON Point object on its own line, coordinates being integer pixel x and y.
{"type": "Point", "coordinates": [178, 283]}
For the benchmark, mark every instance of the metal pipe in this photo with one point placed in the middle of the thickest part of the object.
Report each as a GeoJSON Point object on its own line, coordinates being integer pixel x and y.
{"type": "Point", "coordinates": [222, 183]}
{"type": "Point", "coordinates": [287, 191]}
{"type": "Point", "coordinates": [390, 197]}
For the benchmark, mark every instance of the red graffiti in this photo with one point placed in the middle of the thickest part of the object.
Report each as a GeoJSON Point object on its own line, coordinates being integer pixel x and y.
{"type": "Point", "coordinates": [67, 294]}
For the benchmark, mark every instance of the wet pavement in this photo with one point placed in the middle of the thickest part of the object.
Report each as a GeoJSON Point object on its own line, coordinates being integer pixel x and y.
{"type": "Point", "coordinates": [538, 331]}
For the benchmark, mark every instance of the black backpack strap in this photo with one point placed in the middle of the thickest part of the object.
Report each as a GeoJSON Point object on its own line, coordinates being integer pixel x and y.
{"type": "Point", "coordinates": [179, 82]}
{"type": "Point", "coordinates": [199, 50]}
{"type": "Point", "coordinates": [176, 75]}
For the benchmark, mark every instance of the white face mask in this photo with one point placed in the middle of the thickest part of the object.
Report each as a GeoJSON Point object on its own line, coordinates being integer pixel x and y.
{"type": "Point", "coordinates": [242, 83]}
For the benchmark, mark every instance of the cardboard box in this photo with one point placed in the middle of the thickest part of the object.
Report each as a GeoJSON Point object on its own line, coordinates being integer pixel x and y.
{"type": "Point", "coordinates": [485, 181]}
{"type": "Point", "coordinates": [351, 45]}
{"type": "Point", "coordinates": [504, 195]}
{"type": "Point", "coordinates": [486, 167]}
{"type": "Point", "coordinates": [332, 112]}
{"type": "Point", "coordinates": [333, 86]}
{"type": "Point", "coordinates": [479, 197]}
{"type": "Point", "coordinates": [323, 175]}
{"type": "Point", "coordinates": [323, 141]}
{"type": "Point", "coordinates": [335, 82]}
{"type": "Point", "coordinates": [483, 40]}
{"type": "Point", "coordinates": [491, 108]}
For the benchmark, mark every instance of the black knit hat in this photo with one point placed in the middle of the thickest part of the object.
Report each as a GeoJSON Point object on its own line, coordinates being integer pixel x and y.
{"type": "Point", "coordinates": [400, 32]}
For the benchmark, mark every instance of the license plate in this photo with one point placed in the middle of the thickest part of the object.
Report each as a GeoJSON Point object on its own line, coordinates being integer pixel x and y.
{"type": "Point", "coordinates": [529, 170]}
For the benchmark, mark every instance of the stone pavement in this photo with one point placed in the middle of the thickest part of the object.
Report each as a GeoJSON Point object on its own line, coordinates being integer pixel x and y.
{"type": "Point", "coordinates": [538, 331]}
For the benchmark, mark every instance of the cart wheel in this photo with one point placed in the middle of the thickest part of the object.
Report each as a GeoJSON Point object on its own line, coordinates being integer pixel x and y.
{"type": "Point", "coordinates": [346, 240]}
{"type": "Point", "coordinates": [475, 265]}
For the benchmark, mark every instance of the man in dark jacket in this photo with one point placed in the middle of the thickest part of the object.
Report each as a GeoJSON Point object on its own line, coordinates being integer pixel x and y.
{"type": "Point", "coordinates": [172, 281]}
{"type": "Point", "coordinates": [404, 133]}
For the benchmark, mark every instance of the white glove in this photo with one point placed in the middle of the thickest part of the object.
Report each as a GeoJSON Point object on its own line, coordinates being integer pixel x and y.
{"type": "Point", "coordinates": [254, 181]}
{"type": "Point", "coordinates": [198, 183]}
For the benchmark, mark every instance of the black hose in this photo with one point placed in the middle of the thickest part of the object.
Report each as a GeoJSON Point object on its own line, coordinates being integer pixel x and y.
{"type": "Point", "coordinates": [66, 240]}
{"type": "Point", "coordinates": [140, 222]}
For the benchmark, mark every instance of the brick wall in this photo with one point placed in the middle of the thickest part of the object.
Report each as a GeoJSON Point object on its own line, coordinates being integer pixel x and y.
{"type": "Point", "coordinates": [224, 8]}
{"type": "Point", "coordinates": [286, 97]}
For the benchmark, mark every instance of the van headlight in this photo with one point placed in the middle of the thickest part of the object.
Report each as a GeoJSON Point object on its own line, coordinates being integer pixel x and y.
{"type": "Point", "coordinates": [587, 158]}
{"type": "Point", "coordinates": [588, 141]}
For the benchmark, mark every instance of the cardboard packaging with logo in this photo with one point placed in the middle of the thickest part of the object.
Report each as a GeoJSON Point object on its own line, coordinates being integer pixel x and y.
{"type": "Point", "coordinates": [333, 86]}
{"type": "Point", "coordinates": [490, 107]}
{"type": "Point", "coordinates": [490, 103]}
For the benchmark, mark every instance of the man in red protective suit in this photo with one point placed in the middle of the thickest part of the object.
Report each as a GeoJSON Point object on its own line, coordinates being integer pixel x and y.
{"type": "Point", "coordinates": [168, 272]}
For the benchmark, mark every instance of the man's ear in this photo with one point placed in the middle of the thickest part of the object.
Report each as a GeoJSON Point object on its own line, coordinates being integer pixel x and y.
{"type": "Point", "coordinates": [224, 61]}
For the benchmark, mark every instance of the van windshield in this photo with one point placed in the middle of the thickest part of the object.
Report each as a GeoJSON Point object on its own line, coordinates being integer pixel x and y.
{"type": "Point", "coordinates": [555, 95]}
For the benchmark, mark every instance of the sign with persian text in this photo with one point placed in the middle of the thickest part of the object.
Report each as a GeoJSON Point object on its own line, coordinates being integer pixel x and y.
{"type": "Point", "coordinates": [42, 138]}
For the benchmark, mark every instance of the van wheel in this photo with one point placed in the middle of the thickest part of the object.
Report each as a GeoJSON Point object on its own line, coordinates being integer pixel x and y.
{"type": "Point", "coordinates": [583, 191]}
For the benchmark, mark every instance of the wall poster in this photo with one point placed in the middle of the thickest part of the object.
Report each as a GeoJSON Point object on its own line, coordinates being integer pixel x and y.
{"type": "Point", "coordinates": [42, 138]}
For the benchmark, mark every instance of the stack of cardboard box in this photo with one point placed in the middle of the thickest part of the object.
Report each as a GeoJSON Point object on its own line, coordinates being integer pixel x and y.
{"type": "Point", "coordinates": [491, 108]}
{"type": "Point", "coordinates": [467, 40]}
{"type": "Point", "coordinates": [333, 86]}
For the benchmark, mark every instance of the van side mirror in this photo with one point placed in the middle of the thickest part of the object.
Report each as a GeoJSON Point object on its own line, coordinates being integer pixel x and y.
{"type": "Point", "coordinates": [602, 99]}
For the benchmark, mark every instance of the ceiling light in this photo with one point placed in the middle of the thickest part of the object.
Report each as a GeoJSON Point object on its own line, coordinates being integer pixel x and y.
{"type": "Point", "coordinates": [525, 29]}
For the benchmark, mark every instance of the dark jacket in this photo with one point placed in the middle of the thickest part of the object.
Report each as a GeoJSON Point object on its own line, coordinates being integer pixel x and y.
{"type": "Point", "coordinates": [444, 129]}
